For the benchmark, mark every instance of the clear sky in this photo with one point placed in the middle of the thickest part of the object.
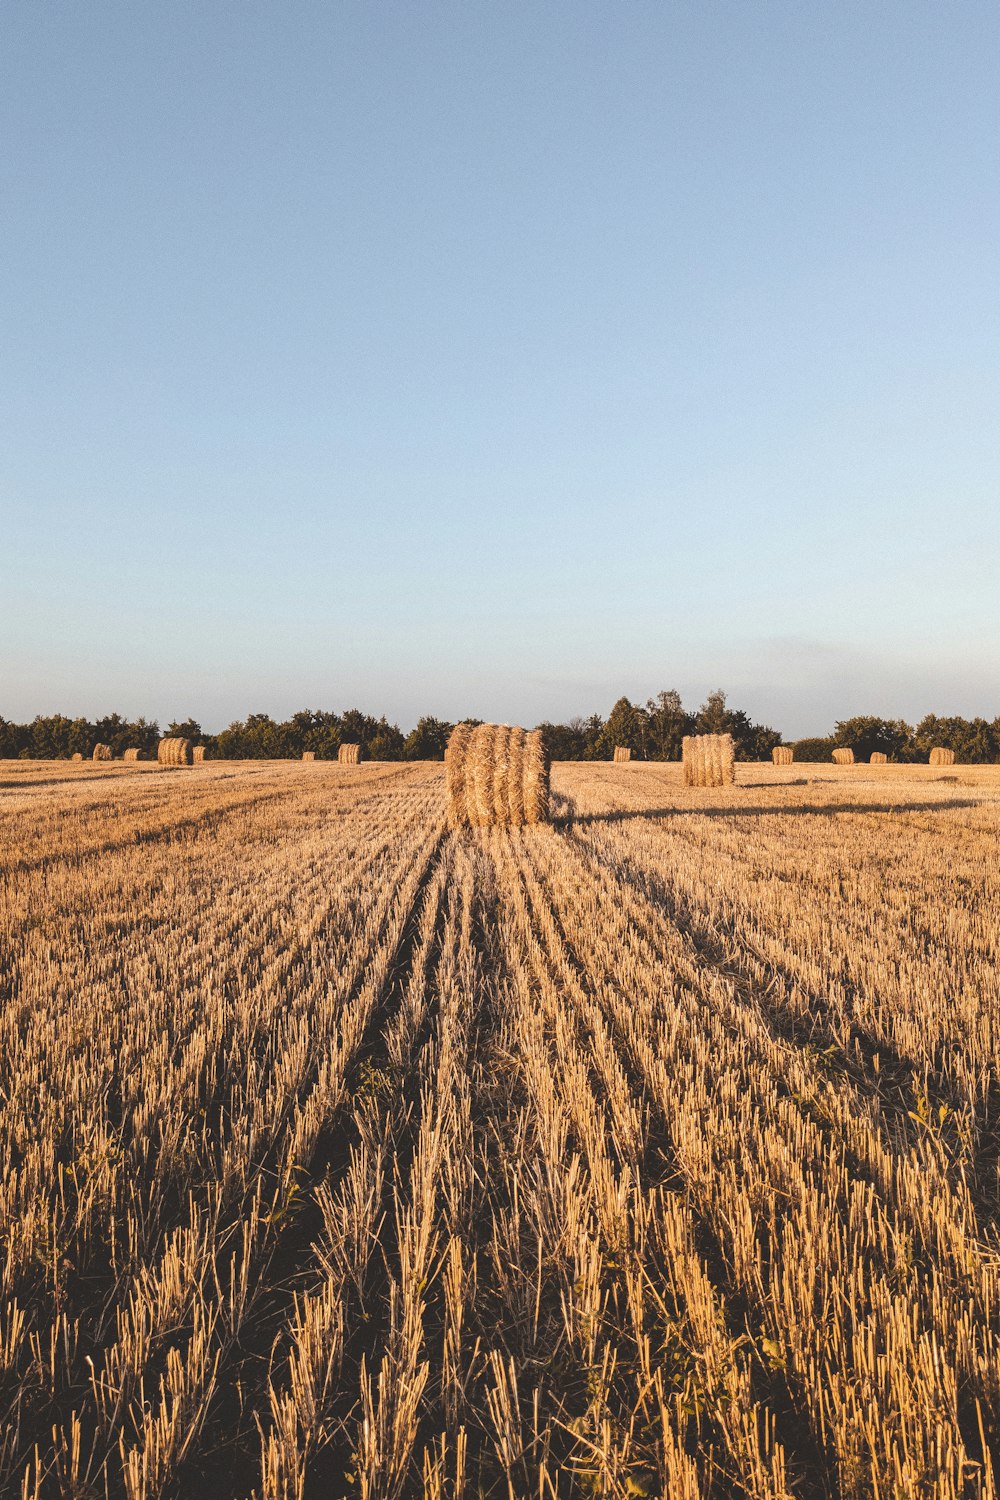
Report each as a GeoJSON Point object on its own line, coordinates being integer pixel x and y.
{"type": "Point", "coordinates": [499, 358]}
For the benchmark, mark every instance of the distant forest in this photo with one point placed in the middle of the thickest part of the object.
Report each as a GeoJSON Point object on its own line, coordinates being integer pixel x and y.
{"type": "Point", "coordinates": [652, 731]}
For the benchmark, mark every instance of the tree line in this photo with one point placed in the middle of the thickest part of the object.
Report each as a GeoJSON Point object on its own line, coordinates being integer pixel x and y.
{"type": "Point", "coordinates": [652, 731]}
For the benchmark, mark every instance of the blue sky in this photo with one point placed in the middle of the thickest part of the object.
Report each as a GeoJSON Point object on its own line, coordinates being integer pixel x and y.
{"type": "Point", "coordinates": [498, 359]}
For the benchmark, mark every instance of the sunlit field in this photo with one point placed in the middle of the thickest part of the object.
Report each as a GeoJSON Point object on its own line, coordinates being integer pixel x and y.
{"type": "Point", "coordinates": [651, 1152]}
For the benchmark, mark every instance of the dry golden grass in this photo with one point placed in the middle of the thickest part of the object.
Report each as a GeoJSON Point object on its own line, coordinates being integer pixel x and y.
{"type": "Point", "coordinates": [651, 1153]}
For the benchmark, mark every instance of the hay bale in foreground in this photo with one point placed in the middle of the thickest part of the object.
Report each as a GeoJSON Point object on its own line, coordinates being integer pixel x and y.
{"type": "Point", "coordinates": [77, 755]}
{"type": "Point", "coordinates": [103, 752]}
{"type": "Point", "coordinates": [844, 757]}
{"type": "Point", "coordinates": [174, 752]}
{"type": "Point", "coordinates": [622, 753]}
{"type": "Point", "coordinates": [782, 755]}
{"type": "Point", "coordinates": [198, 754]}
{"type": "Point", "coordinates": [133, 755]}
{"type": "Point", "coordinates": [941, 757]}
{"type": "Point", "coordinates": [708, 759]}
{"type": "Point", "coordinates": [349, 755]}
{"type": "Point", "coordinates": [878, 758]}
{"type": "Point", "coordinates": [496, 774]}
{"type": "Point", "coordinates": [309, 755]}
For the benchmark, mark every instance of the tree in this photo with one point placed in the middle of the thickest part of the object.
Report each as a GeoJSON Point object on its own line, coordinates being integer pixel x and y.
{"type": "Point", "coordinates": [866, 734]}
{"type": "Point", "coordinates": [751, 741]}
{"type": "Point", "coordinates": [428, 741]}
{"type": "Point", "coordinates": [627, 725]}
{"type": "Point", "coordinates": [667, 724]}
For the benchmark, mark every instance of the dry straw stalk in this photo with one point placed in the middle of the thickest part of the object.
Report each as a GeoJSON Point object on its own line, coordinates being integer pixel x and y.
{"type": "Point", "coordinates": [349, 755]}
{"type": "Point", "coordinates": [496, 774]}
{"type": "Point", "coordinates": [782, 755]}
{"type": "Point", "coordinates": [174, 751]}
{"type": "Point", "coordinates": [844, 757]}
{"type": "Point", "coordinates": [709, 760]}
{"type": "Point", "coordinates": [941, 757]}
{"type": "Point", "coordinates": [622, 752]}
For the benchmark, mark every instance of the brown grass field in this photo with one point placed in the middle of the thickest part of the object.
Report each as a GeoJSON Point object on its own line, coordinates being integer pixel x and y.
{"type": "Point", "coordinates": [651, 1152]}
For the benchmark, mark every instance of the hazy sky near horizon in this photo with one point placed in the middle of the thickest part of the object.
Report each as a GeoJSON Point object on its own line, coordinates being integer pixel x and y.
{"type": "Point", "coordinates": [499, 359]}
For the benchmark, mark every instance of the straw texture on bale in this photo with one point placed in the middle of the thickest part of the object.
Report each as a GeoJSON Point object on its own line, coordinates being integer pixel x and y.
{"type": "Point", "coordinates": [174, 752]}
{"type": "Point", "coordinates": [496, 774]}
{"type": "Point", "coordinates": [622, 752]}
{"type": "Point", "coordinates": [309, 755]}
{"type": "Point", "coordinates": [782, 755]}
{"type": "Point", "coordinates": [878, 758]}
{"type": "Point", "coordinates": [198, 754]}
{"type": "Point", "coordinates": [78, 755]}
{"type": "Point", "coordinates": [349, 755]}
{"type": "Point", "coordinates": [133, 754]}
{"type": "Point", "coordinates": [942, 757]}
{"type": "Point", "coordinates": [102, 752]}
{"type": "Point", "coordinates": [709, 760]}
{"type": "Point", "coordinates": [844, 757]}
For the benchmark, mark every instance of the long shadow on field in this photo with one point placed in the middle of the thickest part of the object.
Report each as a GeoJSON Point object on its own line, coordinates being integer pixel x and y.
{"type": "Point", "coordinates": [624, 816]}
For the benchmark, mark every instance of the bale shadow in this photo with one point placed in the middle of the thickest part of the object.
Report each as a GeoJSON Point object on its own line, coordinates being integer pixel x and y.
{"type": "Point", "coordinates": [800, 810]}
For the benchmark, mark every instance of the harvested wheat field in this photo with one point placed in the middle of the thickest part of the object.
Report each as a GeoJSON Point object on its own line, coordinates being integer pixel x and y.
{"type": "Point", "coordinates": [651, 1151]}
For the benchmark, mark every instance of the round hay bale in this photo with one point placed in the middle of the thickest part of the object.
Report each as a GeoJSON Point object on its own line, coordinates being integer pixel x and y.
{"type": "Point", "coordinates": [198, 754]}
{"type": "Point", "coordinates": [349, 755]}
{"type": "Point", "coordinates": [77, 755]}
{"type": "Point", "coordinates": [844, 757]}
{"type": "Point", "coordinates": [174, 751]}
{"type": "Point", "coordinates": [782, 755]}
{"type": "Point", "coordinates": [309, 755]}
{"type": "Point", "coordinates": [622, 753]}
{"type": "Point", "coordinates": [708, 760]}
{"type": "Point", "coordinates": [133, 755]}
{"type": "Point", "coordinates": [103, 752]}
{"type": "Point", "coordinates": [496, 774]}
{"type": "Point", "coordinates": [939, 756]}
{"type": "Point", "coordinates": [878, 758]}
{"type": "Point", "coordinates": [455, 756]}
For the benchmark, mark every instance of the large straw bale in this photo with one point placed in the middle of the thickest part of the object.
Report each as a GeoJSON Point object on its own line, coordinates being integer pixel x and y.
{"type": "Point", "coordinates": [622, 753]}
{"type": "Point", "coordinates": [133, 754]}
{"type": "Point", "coordinates": [782, 755]}
{"type": "Point", "coordinates": [844, 757]}
{"type": "Point", "coordinates": [455, 756]}
{"type": "Point", "coordinates": [174, 751]}
{"type": "Point", "coordinates": [309, 755]}
{"type": "Point", "coordinates": [496, 774]}
{"type": "Point", "coordinates": [349, 755]}
{"type": "Point", "coordinates": [708, 760]}
{"type": "Point", "coordinates": [103, 752]}
{"type": "Point", "coordinates": [941, 757]}
{"type": "Point", "coordinates": [77, 755]}
{"type": "Point", "coordinates": [198, 754]}
{"type": "Point", "coordinates": [878, 758]}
